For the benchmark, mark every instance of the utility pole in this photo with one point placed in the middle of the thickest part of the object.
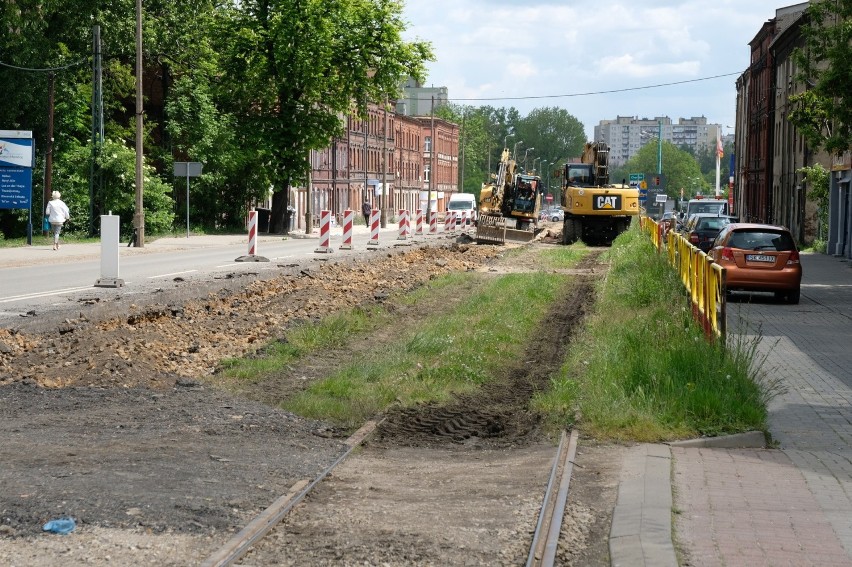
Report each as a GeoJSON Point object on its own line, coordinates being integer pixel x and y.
{"type": "Point", "coordinates": [139, 215]}
{"type": "Point", "coordinates": [48, 159]}
{"type": "Point", "coordinates": [366, 120]}
{"type": "Point", "coordinates": [384, 214]}
{"type": "Point", "coordinates": [95, 175]}
{"type": "Point", "coordinates": [431, 161]}
{"type": "Point", "coordinates": [309, 218]}
{"type": "Point", "coordinates": [464, 115]}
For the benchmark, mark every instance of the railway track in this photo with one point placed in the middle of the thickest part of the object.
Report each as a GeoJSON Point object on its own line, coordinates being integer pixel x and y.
{"type": "Point", "coordinates": [543, 548]}
{"type": "Point", "coordinates": [545, 542]}
{"type": "Point", "coordinates": [440, 483]}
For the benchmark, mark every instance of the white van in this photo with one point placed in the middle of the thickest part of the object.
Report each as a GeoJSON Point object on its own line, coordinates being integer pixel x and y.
{"type": "Point", "coordinates": [463, 202]}
{"type": "Point", "coordinates": [706, 206]}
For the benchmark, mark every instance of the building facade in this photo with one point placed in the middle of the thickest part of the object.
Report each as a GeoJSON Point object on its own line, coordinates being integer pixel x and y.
{"type": "Point", "coordinates": [626, 135]}
{"type": "Point", "coordinates": [769, 186]}
{"type": "Point", "coordinates": [418, 100]}
{"type": "Point", "coordinates": [387, 160]}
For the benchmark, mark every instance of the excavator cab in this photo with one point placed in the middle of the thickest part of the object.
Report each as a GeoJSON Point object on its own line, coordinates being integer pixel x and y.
{"type": "Point", "coordinates": [579, 175]}
{"type": "Point", "coordinates": [526, 197]}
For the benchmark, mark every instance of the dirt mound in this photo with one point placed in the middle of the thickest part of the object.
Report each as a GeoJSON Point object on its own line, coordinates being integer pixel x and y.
{"type": "Point", "coordinates": [184, 332]}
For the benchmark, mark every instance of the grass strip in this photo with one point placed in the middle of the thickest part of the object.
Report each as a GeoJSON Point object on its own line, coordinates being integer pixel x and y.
{"type": "Point", "coordinates": [449, 352]}
{"type": "Point", "coordinates": [643, 370]}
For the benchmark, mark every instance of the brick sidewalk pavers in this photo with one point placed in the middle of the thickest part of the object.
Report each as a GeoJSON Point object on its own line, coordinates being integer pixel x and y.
{"type": "Point", "coordinates": [791, 505]}
{"type": "Point", "coordinates": [748, 507]}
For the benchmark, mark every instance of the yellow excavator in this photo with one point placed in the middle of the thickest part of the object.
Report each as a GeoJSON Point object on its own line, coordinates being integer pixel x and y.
{"type": "Point", "coordinates": [508, 205]}
{"type": "Point", "coordinates": [596, 211]}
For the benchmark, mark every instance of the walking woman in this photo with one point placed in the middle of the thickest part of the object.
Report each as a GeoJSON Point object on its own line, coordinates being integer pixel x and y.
{"type": "Point", "coordinates": [57, 213]}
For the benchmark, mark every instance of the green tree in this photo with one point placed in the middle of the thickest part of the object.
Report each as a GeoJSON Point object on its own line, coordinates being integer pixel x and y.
{"type": "Point", "coordinates": [474, 142]}
{"type": "Point", "coordinates": [58, 34]}
{"type": "Point", "coordinates": [680, 169]}
{"type": "Point", "coordinates": [817, 179]}
{"type": "Point", "coordinates": [553, 132]}
{"type": "Point", "coordinates": [293, 69]}
{"type": "Point", "coordinates": [823, 113]}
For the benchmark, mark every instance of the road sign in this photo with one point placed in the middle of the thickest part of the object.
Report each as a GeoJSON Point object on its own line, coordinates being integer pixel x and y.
{"type": "Point", "coordinates": [636, 177]}
{"type": "Point", "coordinates": [187, 169]}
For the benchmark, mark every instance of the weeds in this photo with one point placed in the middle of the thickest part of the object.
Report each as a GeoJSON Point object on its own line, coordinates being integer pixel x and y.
{"type": "Point", "coordinates": [643, 369]}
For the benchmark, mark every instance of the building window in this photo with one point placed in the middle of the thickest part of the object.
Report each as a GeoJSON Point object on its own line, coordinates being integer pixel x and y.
{"type": "Point", "coordinates": [427, 144]}
{"type": "Point", "coordinates": [427, 169]}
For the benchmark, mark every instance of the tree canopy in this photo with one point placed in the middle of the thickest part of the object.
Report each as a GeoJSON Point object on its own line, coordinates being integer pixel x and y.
{"type": "Point", "coordinates": [680, 168]}
{"type": "Point", "coordinates": [246, 87]}
{"type": "Point", "coordinates": [554, 134]}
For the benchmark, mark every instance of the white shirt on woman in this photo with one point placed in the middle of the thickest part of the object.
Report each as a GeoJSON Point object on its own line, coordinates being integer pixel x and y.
{"type": "Point", "coordinates": [57, 212]}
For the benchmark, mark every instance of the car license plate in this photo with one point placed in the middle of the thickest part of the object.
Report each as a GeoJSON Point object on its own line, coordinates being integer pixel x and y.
{"type": "Point", "coordinates": [759, 258]}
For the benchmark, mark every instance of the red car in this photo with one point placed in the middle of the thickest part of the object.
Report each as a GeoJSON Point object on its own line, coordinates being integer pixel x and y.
{"type": "Point", "coordinates": [759, 257]}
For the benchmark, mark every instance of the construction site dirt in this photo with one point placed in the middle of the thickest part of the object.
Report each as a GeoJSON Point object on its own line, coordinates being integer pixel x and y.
{"type": "Point", "coordinates": [114, 414]}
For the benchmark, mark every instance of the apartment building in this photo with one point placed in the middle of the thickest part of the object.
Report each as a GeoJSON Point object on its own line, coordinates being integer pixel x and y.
{"type": "Point", "coordinates": [419, 100]}
{"type": "Point", "coordinates": [626, 135]}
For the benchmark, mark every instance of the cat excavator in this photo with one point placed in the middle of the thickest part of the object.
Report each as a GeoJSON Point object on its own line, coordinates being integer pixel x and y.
{"type": "Point", "coordinates": [508, 205]}
{"type": "Point", "coordinates": [596, 211]}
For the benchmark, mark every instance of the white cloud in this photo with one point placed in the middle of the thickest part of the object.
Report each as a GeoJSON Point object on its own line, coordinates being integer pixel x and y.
{"type": "Point", "coordinates": [498, 48]}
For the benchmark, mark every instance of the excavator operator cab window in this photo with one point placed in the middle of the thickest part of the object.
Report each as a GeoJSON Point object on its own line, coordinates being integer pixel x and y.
{"type": "Point", "coordinates": [525, 195]}
{"type": "Point", "coordinates": [578, 176]}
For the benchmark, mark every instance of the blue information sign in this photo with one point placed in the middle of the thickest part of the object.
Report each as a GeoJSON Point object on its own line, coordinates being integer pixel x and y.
{"type": "Point", "coordinates": [16, 187]}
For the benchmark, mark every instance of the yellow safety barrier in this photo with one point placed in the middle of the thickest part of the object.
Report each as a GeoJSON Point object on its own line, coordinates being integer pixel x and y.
{"type": "Point", "coordinates": [703, 279]}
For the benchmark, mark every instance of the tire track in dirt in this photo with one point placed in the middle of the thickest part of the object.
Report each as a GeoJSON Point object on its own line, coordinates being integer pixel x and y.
{"type": "Point", "coordinates": [498, 412]}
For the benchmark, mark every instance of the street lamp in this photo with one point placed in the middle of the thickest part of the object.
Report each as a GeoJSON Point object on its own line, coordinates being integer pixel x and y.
{"type": "Point", "coordinates": [534, 168]}
{"type": "Point", "coordinates": [527, 151]}
{"type": "Point", "coordinates": [506, 138]}
{"type": "Point", "coordinates": [515, 150]}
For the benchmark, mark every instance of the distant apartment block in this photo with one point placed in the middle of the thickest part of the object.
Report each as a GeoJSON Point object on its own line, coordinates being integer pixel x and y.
{"type": "Point", "coordinates": [626, 135]}
{"type": "Point", "coordinates": [416, 100]}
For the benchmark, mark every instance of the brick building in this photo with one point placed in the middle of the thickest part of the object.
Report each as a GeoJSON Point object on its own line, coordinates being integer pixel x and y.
{"type": "Point", "coordinates": [386, 157]}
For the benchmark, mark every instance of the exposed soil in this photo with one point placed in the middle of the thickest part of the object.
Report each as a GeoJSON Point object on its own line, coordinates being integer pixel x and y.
{"type": "Point", "coordinates": [114, 415]}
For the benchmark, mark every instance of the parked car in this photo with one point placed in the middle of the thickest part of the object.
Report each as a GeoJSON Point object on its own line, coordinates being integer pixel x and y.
{"type": "Point", "coordinates": [759, 257]}
{"type": "Point", "coordinates": [554, 214]}
{"type": "Point", "coordinates": [702, 229]}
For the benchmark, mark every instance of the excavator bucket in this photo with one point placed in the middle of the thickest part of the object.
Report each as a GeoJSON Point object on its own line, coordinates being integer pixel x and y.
{"type": "Point", "coordinates": [492, 229]}
{"type": "Point", "coordinates": [516, 235]}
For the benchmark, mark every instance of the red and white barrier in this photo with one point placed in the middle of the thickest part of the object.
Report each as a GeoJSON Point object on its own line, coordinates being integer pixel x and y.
{"type": "Point", "coordinates": [252, 233]}
{"type": "Point", "coordinates": [418, 222]}
{"type": "Point", "coordinates": [463, 221]}
{"type": "Point", "coordinates": [348, 220]}
{"type": "Point", "coordinates": [433, 222]}
{"type": "Point", "coordinates": [325, 233]}
{"type": "Point", "coordinates": [374, 228]}
{"type": "Point", "coordinates": [404, 227]}
{"type": "Point", "coordinates": [449, 217]}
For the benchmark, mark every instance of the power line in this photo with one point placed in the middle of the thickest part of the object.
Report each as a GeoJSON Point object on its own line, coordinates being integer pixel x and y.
{"type": "Point", "coordinates": [45, 70]}
{"type": "Point", "coordinates": [601, 92]}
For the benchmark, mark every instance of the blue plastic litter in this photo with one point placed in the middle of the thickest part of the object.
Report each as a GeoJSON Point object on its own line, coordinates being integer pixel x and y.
{"type": "Point", "coordinates": [60, 526]}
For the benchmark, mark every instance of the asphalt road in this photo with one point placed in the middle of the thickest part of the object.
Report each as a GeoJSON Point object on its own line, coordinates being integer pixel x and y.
{"type": "Point", "coordinates": [32, 277]}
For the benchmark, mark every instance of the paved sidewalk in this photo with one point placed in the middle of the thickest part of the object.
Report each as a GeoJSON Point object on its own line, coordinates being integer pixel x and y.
{"type": "Point", "coordinates": [744, 506]}
{"type": "Point", "coordinates": [71, 251]}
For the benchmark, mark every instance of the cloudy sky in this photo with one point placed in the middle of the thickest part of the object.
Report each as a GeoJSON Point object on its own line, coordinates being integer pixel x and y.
{"type": "Point", "coordinates": [536, 53]}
